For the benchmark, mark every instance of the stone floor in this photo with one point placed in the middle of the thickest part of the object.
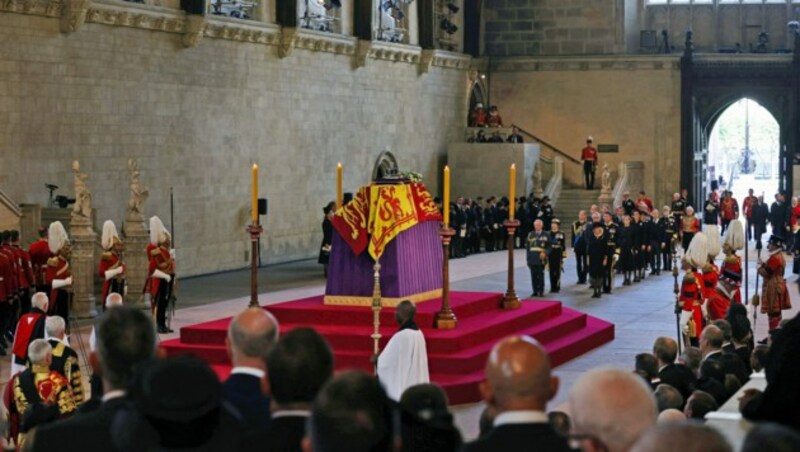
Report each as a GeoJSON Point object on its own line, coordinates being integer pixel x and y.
{"type": "Point", "coordinates": [641, 312]}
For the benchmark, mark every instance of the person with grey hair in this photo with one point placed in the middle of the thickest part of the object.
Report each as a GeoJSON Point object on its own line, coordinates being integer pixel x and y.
{"type": "Point", "coordinates": [404, 361]}
{"type": "Point", "coordinates": [670, 415]}
{"type": "Point", "coordinates": [251, 335]}
{"type": "Point", "coordinates": [699, 404]}
{"type": "Point", "coordinates": [65, 359]}
{"type": "Point", "coordinates": [611, 409]}
{"type": "Point", "coordinates": [41, 395]}
{"type": "Point", "coordinates": [126, 343]}
{"type": "Point", "coordinates": [538, 250]}
{"type": "Point", "coordinates": [691, 358]}
{"type": "Point", "coordinates": [668, 397]}
{"type": "Point", "coordinates": [683, 436]}
{"type": "Point", "coordinates": [29, 327]}
{"type": "Point", "coordinates": [113, 299]}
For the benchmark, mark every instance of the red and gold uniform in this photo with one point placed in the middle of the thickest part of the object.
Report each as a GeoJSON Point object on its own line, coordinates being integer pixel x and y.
{"type": "Point", "coordinates": [40, 254]}
{"type": "Point", "coordinates": [733, 263]}
{"type": "Point", "coordinates": [161, 262]}
{"type": "Point", "coordinates": [25, 277]}
{"type": "Point", "coordinates": [710, 279]}
{"type": "Point", "coordinates": [691, 299]}
{"type": "Point", "coordinates": [729, 208]}
{"type": "Point", "coordinates": [58, 270]}
{"type": "Point", "coordinates": [477, 117]}
{"type": "Point", "coordinates": [774, 295]}
{"type": "Point", "coordinates": [717, 304]}
{"type": "Point", "coordinates": [40, 384]}
{"type": "Point", "coordinates": [65, 362]}
{"type": "Point", "coordinates": [111, 262]}
{"type": "Point", "coordinates": [690, 225]}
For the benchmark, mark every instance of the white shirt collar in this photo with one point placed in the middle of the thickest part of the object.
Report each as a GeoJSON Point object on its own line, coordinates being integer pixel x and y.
{"type": "Point", "coordinates": [115, 394]}
{"type": "Point", "coordinates": [252, 371]}
{"type": "Point", "coordinates": [291, 413]}
{"type": "Point", "coordinates": [521, 417]}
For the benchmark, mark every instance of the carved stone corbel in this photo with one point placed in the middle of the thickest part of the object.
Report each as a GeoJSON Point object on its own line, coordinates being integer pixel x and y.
{"type": "Point", "coordinates": [426, 60]}
{"type": "Point", "coordinates": [73, 14]}
{"type": "Point", "coordinates": [287, 42]}
{"type": "Point", "coordinates": [194, 29]}
{"type": "Point", "coordinates": [363, 49]}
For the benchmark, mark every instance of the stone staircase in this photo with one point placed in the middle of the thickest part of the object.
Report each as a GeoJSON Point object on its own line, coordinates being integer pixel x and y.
{"type": "Point", "coordinates": [571, 200]}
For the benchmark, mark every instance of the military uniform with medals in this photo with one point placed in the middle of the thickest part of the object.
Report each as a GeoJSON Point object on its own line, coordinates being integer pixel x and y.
{"type": "Point", "coordinates": [538, 250]}
{"type": "Point", "coordinates": [613, 255]}
{"type": "Point", "coordinates": [558, 251]}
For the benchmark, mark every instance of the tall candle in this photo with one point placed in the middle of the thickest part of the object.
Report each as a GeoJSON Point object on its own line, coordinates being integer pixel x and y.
{"type": "Point", "coordinates": [339, 195]}
{"type": "Point", "coordinates": [511, 190]}
{"type": "Point", "coordinates": [255, 194]}
{"type": "Point", "coordinates": [446, 202]}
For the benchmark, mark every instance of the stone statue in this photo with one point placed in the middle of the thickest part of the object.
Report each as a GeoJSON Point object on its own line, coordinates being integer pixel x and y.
{"type": "Point", "coordinates": [605, 180]}
{"type": "Point", "coordinates": [82, 210]}
{"type": "Point", "coordinates": [537, 180]}
{"type": "Point", "coordinates": [139, 193]}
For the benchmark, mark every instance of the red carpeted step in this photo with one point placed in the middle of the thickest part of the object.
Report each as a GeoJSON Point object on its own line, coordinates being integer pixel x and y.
{"type": "Point", "coordinates": [474, 358]}
{"type": "Point", "coordinates": [456, 357]}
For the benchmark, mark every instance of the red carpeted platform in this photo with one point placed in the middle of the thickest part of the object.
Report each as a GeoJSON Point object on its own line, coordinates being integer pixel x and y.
{"type": "Point", "coordinates": [456, 357]}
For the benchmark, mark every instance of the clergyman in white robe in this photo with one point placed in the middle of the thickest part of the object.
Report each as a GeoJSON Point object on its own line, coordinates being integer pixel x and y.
{"type": "Point", "coordinates": [404, 361]}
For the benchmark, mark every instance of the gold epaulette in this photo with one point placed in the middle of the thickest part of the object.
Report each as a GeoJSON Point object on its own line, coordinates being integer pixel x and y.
{"type": "Point", "coordinates": [106, 256]}
{"type": "Point", "coordinates": [155, 252]}
{"type": "Point", "coordinates": [689, 278]}
{"type": "Point", "coordinates": [53, 261]}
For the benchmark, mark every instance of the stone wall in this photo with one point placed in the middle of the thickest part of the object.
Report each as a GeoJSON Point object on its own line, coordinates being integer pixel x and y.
{"type": "Point", "coordinates": [553, 27]}
{"type": "Point", "coordinates": [633, 102]}
{"type": "Point", "coordinates": [197, 118]}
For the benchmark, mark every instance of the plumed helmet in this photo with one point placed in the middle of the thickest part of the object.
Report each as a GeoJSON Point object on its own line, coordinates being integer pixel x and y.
{"type": "Point", "coordinates": [734, 236]}
{"type": "Point", "coordinates": [56, 237]}
{"type": "Point", "coordinates": [158, 233]}
{"type": "Point", "coordinates": [714, 242]}
{"type": "Point", "coordinates": [109, 234]}
{"type": "Point", "coordinates": [697, 253]}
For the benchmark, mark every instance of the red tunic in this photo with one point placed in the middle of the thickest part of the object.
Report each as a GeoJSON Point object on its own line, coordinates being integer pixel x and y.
{"type": "Point", "coordinates": [5, 278]}
{"type": "Point", "coordinates": [718, 304]}
{"type": "Point", "coordinates": [690, 224]}
{"type": "Point", "coordinates": [24, 270]}
{"type": "Point", "coordinates": [494, 120]}
{"type": "Point", "coordinates": [109, 261]}
{"type": "Point", "coordinates": [747, 206]}
{"type": "Point", "coordinates": [160, 259]}
{"type": "Point", "coordinates": [589, 153]}
{"type": "Point", "coordinates": [774, 296]}
{"type": "Point", "coordinates": [477, 118]}
{"type": "Point", "coordinates": [57, 268]}
{"type": "Point", "coordinates": [710, 279]}
{"type": "Point", "coordinates": [733, 263]}
{"type": "Point", "coordinates": [647, 202]}
{"type": "Point", "coordinates": [729, 208]}
{"type": "Point", "coordinates": [691, 296]}
{"type": "Point", "coordinates": [12, 258]}
{"type": "Point", "coordinates": [40, 253]}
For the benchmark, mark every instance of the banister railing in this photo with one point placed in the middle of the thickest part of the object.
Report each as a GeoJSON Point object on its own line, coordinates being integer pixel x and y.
{"type": "Point", "coordinates": [11, 205]}
{"type": "Point", "coordinates": [549, 145]}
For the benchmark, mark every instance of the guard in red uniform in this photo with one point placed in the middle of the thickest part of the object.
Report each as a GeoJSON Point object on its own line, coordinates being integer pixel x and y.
{"type": "Point", "coordinates": [59, 274]}
{"type": "Point", "coordinates": [6, 291]}
{"type": "Point", "coordinates": [774, 295]}
{"type": "Point", "coordinates": [721, 298]}
{"type": "Point", "coordinates": [589, 159]}
{"type": "Point", "coordinates": [729, 210]}
{"type": "Point", "coordinates": [734, 241]}
{"type": "Point", "coordinates": [162, 272]}
{"type": "Point", "coordinates": [710, 269]}
{"type": "Point", "coordinates": [112, 268]}
{"type": "Point", "coordinates": [25, 272]}
{"type": "Point", "coordinates": [8, 309]}
{"type": "Point", "coordinates": [477, 117]}
{"type": "Point", "coordinates": [691, 294]}
{"type": "Point", "coordinates": [40, 254]}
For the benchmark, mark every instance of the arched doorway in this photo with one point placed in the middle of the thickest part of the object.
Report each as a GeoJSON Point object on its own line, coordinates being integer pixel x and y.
{"type": "Point", "coordinates": [744, 150]}
{"type": "Point", "coordinates": [712, 83]}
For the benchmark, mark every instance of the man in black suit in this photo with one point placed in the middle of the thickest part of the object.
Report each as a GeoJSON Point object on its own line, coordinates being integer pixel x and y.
{"type": "Point", "coordinates": [126, 340]}
{"type": "Point", "coordinates": [299, 365]}
{"type": "Point", "coordinates": [250, 336]}
{"type": "Point", "coordinates": [518, 386]}
{"type": "Point", "coordinates": [680, 377]}
{"type": "Point", "coordinates": [711, 340]}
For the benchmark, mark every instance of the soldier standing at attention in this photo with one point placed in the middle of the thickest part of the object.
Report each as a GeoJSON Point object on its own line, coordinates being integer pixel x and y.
{"type": "Point", "coordinates": [538, 250]}
{"type": "Point", "coordinates": [558, 252]}
{"type": "Point", "coordinates": [589, 159]}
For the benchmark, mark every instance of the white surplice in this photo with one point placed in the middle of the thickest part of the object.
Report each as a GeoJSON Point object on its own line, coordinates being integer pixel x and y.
{"type": "Point", "coordinates": [403, 363]}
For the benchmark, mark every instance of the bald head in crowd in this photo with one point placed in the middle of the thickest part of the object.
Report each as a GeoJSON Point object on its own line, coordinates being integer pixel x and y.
{"type": "Point", "coordinates": [614, 407]}
{"type": "Point", "coordinates": [518, 376]}
{"type": "Point", "coordinates": [684, 436]}
{"type": "Point", "coordinates": [665, 349]}
{"type": "Point", "coordinates": [251, 334]}
{"type": "Point", "coordinates": [670, 415]}
{"type": "Point", "coordinates": [113, 299]}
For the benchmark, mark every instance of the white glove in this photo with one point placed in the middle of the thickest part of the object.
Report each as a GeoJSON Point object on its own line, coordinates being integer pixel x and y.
{"type": "Point", "coordinates": [161, 275]}
{"type": "Point", "coordinates": [704, 308]}
{"type": "Point", "coordinates": [685, 317]}
{"type": "Point", "coordinates": [112, 273]}
{"type": "Point", "coordinates": [61, 283]}
{"type": "Point", "coordinates": [172, 253]}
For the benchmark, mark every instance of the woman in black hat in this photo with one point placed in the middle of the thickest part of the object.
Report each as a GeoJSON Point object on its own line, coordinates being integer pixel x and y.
{"type": "Point", "coordinates": [625, 244]}
{"type": "Point", "coordinates": [327, 236]}
{"type": "Point", "coordinates": [597, 250]}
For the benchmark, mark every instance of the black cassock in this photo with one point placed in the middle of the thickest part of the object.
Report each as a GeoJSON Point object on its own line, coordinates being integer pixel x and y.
{"type": "Point", "coordinates": [597, 251]}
